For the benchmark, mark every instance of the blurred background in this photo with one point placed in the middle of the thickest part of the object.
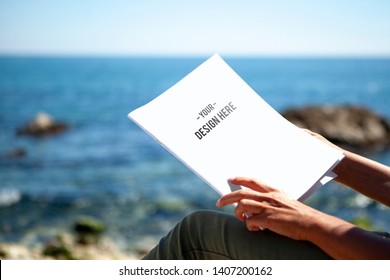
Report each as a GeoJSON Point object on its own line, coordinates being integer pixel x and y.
{"type": "Point", "coordinates": [79, 67]}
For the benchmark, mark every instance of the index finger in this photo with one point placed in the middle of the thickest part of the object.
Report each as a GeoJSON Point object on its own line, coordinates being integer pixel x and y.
{"type": "Point", "coordinates": [236, 197]}
{"type": "Point", "coordinates": [251, 183]}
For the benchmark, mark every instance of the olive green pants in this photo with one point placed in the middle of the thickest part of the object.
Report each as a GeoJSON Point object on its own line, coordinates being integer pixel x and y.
{"type": "Point", "coordinates": [219, 236]}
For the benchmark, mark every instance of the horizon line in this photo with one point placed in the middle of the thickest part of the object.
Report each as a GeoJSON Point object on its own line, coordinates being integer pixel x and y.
{"type": "Point", "coordinates": [195, 55]}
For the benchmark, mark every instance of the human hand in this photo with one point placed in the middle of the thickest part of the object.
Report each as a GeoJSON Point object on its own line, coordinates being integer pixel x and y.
{"type": "Point", "coordinates": [269, 208]}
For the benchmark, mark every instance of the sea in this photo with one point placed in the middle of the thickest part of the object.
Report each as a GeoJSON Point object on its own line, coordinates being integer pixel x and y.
{"type": "Point", "coordinates": [106, 167]}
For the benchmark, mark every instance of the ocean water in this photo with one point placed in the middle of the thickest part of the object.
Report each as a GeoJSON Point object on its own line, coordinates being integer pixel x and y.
{"type": "Point", "coordinates": [104, 166]}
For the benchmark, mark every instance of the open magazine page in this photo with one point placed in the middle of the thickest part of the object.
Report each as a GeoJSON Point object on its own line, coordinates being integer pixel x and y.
{"type": "Point", "coordinates": [219, 127]}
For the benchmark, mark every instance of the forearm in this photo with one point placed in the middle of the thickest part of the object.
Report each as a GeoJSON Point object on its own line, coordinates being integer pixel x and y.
{"type": "Point", "coordinates": [365, 176]}
{"type": "Point", "coordinates": [271, 209]}
{"type": "Point", "coordinates": [343, 240]}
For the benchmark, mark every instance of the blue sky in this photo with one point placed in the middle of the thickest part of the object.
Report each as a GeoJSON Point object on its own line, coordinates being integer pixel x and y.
{"type": "Point", "coordinates": [173, 27]}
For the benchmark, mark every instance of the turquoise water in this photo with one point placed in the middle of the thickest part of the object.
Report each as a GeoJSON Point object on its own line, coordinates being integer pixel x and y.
{"type": "Point", "coordinates": [106, 167]}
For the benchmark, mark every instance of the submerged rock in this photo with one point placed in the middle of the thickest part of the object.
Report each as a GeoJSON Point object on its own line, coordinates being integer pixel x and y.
{"type": "Point", "coordinates": [15, 153]}
{"type": "Point", "coordinates": [353, 126]}
{"type": "Point", "coordinates": [41, 125]}
{"type": "Point", "coordinates": [88, 230]}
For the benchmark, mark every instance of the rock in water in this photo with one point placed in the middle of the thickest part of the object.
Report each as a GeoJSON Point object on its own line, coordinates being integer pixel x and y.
{"type": "Point", "coordinates": [353, 126]}
{"type": "Point", "coordinates": [89, 230]}
{"type": "Point", "coordinates": [15, 153]}
{"type": "Point", "coordinates": [42, 125]}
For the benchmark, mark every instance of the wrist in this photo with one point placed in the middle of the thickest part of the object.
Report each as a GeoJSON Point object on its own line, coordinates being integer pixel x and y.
{"type": "Point", "coordinates": [325, 228]}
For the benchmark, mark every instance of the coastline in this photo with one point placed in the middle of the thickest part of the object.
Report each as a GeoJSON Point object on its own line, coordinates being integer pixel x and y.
{"type": "Point", "coordinates": [87, 241]}
{"type": "Point", "coordinates": [68, 249]}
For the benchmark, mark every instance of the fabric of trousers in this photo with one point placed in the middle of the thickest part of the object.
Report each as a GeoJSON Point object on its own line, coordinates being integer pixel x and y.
{"type": "Point", "coordinates": [211, 235]}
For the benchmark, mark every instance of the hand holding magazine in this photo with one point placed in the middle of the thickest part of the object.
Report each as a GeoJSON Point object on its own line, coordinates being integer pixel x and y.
{"type": "Point", "coordinates": [219, 127]}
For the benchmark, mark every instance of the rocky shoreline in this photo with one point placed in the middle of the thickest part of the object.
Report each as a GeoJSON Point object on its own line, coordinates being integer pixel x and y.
{"type": "Point", "coordinates": [105, 250]}
{"type": "Point", "coordinates": [85, 242]}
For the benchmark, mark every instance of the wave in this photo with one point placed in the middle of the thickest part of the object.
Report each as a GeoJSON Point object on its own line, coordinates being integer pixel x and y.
{"type": "Point", "coordinates": [9, 197]}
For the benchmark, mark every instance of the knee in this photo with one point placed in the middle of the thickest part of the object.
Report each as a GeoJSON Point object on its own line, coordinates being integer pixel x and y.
{"type": "Point", "coordinates": [203, 215]}
{"type": "Point", "coordinates": [203, 221]}
{"type": "Point", "coordinates": [197, 218]}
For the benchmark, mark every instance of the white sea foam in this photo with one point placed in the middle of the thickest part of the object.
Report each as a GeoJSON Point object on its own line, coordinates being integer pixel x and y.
{"type": "Point", "coordinates": [9, 197]}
